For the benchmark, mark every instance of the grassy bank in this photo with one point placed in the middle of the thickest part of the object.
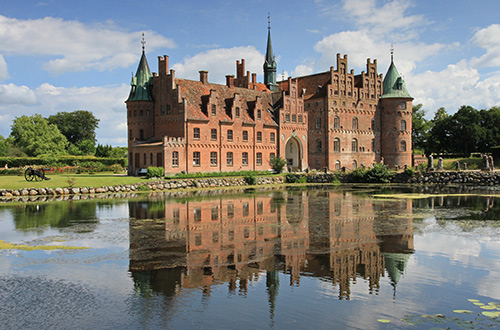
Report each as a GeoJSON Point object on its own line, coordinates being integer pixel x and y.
{"type": "Point", "coordinates": [66, 180]}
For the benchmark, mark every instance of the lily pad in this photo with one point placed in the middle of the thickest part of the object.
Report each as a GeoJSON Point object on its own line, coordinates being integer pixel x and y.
{"type": "Point", "coordinates": [463, 311]}
{"type": "Point", "coordinates": [488, 307]}
{"type": "Point", "coordinates": [473, 300]}
{"type": "Point", "coordinates": [491, 314]}
{"type": "Point", "coordinates": [384, 321]}
{"type": "Point", "coordinates": [478, 304]}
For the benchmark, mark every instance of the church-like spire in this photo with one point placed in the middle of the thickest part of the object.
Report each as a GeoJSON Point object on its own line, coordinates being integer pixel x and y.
{"type": "Point", "coordinates": [394, 85]}
{"type": "Point", "coordinates": [141, 82]}
{"type": "Point", "coordinates": [270, 63]}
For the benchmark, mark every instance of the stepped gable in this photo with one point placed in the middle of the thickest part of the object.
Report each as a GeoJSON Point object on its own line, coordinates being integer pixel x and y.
{"type": "Point", "coordinates": [195, 91]}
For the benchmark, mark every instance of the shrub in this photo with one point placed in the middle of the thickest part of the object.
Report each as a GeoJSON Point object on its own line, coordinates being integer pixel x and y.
{"type": "Point", "coordinates": [379, 173]}
{"type": "Point", "coordinates": [409, 171]}
{"type": "Point", "coordinates": [278, 163]}
{"type": "Point", "coordinates": [117, 168]}
{"type": "Point", "coordinates": [295, 178]}
{"type": "Point", "coordinates": [143, 187]}
{"type": "Point", "coordinates": [155, 172]}
{"type": "Point", "coordinates": [250, 179]}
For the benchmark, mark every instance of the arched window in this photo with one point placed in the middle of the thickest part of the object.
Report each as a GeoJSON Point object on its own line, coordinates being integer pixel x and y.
{"type": "Point", "coordinates": [403, 125]}
{"type": "Point", "coordinates": [318, 145]}
{"type": "Point", "coordinates": [354, 145]}
{"type": "Point", "coordinates": [259, 115]}
{"type": "Point", "coordinates": [373, 124]}
{"type": "Point", "coordinates": [337, 165]}
{"type": "Point", "coordinates": [237, 114]}
{"type": "Point", "coordinates": [336, 145]}
{"type": "Point", "coordinates": [355, 123]}
{"type": "Point", "coordinates": [402, 146]}
{"type": "Point", "coordinates": [336, 122]}
{"type": "Point", "coordinates": [354, 164]}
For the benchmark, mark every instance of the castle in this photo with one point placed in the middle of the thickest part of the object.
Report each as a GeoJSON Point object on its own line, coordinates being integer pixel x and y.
{"type": "Point", "coordinates": [333, 119]}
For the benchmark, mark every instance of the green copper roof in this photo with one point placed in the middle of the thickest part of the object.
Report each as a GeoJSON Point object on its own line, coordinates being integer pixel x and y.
{"type": "Point", "coordinates": [269, 52]}
{"type": "Point", "coordinates": [395, 263]}
{"type": "Point", "coordinates": [141, 83]}
{"type": "Point", "coordinates": [394, 85]}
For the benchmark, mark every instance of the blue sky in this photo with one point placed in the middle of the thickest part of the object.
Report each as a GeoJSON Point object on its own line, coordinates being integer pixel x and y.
{"type": "Point", "coordinates": [70, 55]}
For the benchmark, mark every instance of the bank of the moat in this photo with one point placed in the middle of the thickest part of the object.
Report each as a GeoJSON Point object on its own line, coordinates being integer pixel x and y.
{"type": "Point", "coordinates": [469, 178]}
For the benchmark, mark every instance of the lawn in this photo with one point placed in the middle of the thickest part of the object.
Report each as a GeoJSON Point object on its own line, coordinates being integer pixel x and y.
{"type": "Point", "coordinates": [64, 180]}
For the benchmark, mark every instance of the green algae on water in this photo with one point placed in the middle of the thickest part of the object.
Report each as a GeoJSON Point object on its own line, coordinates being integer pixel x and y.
{"type": "Point", "coordinates": [11, 246]}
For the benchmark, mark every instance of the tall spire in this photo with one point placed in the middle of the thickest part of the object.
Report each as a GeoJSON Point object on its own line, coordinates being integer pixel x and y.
{"type": "Point", "coordinates": [141, 83]}
{"type": "Point", "coordinates": [270, 63]}
{"type": "Point", "coordinates": [394, 85]}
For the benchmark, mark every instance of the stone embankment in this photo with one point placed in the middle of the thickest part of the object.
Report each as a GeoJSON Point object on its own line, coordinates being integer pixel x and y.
{"type": "Point", "coordinates": [476, 178]}
{"type": "Point", "coordinates": [31, 194]}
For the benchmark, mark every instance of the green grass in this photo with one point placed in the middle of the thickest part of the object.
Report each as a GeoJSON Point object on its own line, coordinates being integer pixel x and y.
{"type": "Point", "coordinates": [62, 180]}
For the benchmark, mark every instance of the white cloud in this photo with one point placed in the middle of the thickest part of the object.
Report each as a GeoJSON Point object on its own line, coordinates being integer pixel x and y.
{"type": "Point", "coordinates": [106, 103]}
{"type": "Point", "coordinates": [219, 63]}
{"type": "Point", "coordinates": [303, 70]}
{"type": "Point", "coordinates": [78, 46]}
{"type": "Point", "coordinates": [4, 73]}
{"type": "Point", "coordinates": [11, 94]}
{"type": "Point", "coordinates": [489, 39]}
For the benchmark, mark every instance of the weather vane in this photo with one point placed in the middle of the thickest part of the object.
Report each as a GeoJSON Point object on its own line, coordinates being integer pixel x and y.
{"type": "Point", "coordinates": [143, 42]}
{"type": "Point", "coordinates": [392, 52]}
{"type": "Point", "coordinates": [268, 20]}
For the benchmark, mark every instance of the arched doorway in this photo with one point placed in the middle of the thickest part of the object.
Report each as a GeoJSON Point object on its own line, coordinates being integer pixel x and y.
{"type": "Point", "coordinates": [292, 153]}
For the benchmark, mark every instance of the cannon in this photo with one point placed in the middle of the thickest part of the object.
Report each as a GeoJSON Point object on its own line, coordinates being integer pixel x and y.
{"type": "Point", "coordinates": [34, 174]}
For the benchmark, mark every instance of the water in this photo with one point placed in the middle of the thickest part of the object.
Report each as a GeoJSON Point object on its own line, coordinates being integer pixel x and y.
{"type": "Point", "coordinates": [322, 257]}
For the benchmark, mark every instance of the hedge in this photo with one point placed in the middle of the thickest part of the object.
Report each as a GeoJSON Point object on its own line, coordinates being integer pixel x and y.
{"type": "Point", "coordinates": [59, 161]}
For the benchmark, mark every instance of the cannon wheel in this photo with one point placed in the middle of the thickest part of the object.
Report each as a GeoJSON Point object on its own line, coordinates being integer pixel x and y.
{"type": "Point", "coordinates": [39, 175]}
{"type": "Point", "coordinates": [29, 175]}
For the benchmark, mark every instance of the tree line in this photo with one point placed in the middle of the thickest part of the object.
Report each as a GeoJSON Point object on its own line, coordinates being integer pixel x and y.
{"type": "Point", "coordinates": [467, 131]}
{"type": "Point", "coordinates": [65, 133]}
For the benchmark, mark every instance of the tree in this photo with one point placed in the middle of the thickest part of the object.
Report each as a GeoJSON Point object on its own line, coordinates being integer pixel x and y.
{"type": "Point", "coordinates": [420, 128]}
{"type": "Point", "coordinates": [439, 135]}
{"type": "Point", "coordinates": [76, 126]}
{"type": "Point", "coordinates": [35, 136]}
{"type": "Point", "coordinates": [3, 146]}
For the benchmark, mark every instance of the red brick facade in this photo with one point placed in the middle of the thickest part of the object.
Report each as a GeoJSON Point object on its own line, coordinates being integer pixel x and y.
{"type": "Point", "coordinates": [332, 119]}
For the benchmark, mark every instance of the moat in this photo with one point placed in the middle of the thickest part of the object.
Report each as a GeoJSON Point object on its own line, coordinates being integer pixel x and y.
{"type": "Point", "coordinates": [362, 257]}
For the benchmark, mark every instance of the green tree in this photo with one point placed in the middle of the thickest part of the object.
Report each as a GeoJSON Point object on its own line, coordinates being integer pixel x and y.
{"type": "Point", "coordinates": [35, 136]}
{"type": "Point", "coordinates": [490, 121]}
{"type": "Point", "coordinates": [76, 126]}
{"type": "Point", "coordinates": [421, 128]}
{"type": "Point", "coordinates": [103, 150]}
{"type": "Point", "coordinates": [439, 135]}
{"type": "Point", "coordinates": [3, 146]}
{"type": "Point", "coordinates": [465, 130]}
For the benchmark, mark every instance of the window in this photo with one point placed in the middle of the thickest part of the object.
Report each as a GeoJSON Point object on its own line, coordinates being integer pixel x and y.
{"type": "Point", "coordinates": [273, 137]}
{"type": "Point", "coordinates": [355, 123]}
{"type": "Point", "coordinates": [318, 145]}
{"type": "Point", "coordinates": [230, 135]}
{"type": "Point", "coordinates": [373, 124]}
{"type": "Point", "coordinates": [147, 112]}
{"type": "Point", "coordinates": [373, 145]}
{"type": "Point", "coordinates": [245, 136]}
{"type": "Point", "coordinates": [230, 210]}
{"type": "Point", "coordinates": [141, 113]}
{"type": "Point", "coordinates": [130, 134]}
{"type": "Point", "coordinates": [337, 165]}
{"type": "Point", "coordinates": [354, 145]}
{"type": "Point", "coordinates": [260, 208]}
{"type": "Point", "coordinates": [213, 158]}
{"type": "Point", "coordinates": [318, 123]}
{"type": "Point", "coordinates": [244, 158]}
{"type": "Point", "coordinates": [336, 122]}
{"type": "Point", "coordinates": [144, 159]}
{"type": "Point", "coordinates": [135, 113]}
{"type": "Point", "coordinates": [197, 214]}
{"type": "Point", "coordinates": [259, 158]}
{"type": "Point", "coordinates": [336, 145]}
{"type": "Point", "coordinates": [162, 109]}
{"type": "Point", "coordinates": [300, 118]}
{"type": "Point", "coordinates": [215, 236]}
{"type": "Point", "coordinates": [294, 118]}
{"type": "Point", "coordinates": [271, 157]}
{"type": "Point", "coordinates": [196, 158]}
{"type": "Point", "coordinates": [403, 146]}
{"type": "Point", "coordinates": [237, 112]}
{"type": "Point", "coordinates": [403, 106]}
{"type": "Point", "coordinates": [354, 164]}
{"type": "Point", "coordinates": [287, 118]}
{"type": "Point", "coordinates": [246, 209]}
{"type": "Point", "coordinates": [175, 216]}
{"type": "Point", "coordinates": [230, 235]}
{"type": "Point", "coordinates": [229, 158]}
{"type": "Point", "coordinates": [197, 239]}
{"type": "Point", "coordinates": [259, 114]}
{"type": "Point", "coordinates": [259, 136]}
{"type": "Point", "coordinates": [215, 212]}
{"type": "Point", "coordinates": [175, 158]}
{"type": "Point", "coordinates": [403, 125]}
{"type": "Point", "coordinates": [213, 134]}
{"type": "Point", "coordinates": [168, 109]}
{"type": "Point", "coordinates": [151, 158]}
{"type": "Point", "coordinates": [141, 134]}
{"type": "Point", "coordinates": [214, 110]}
{"type": "Point", "coordinates": [196, 133]}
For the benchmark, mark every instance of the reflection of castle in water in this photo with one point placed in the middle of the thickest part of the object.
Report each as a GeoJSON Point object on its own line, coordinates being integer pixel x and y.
{"type": "Point", "coordinates": [340, 237]}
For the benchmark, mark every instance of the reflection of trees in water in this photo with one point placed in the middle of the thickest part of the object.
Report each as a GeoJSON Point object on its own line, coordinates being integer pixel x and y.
{"type": "Point", "coordinates": [55, 215]}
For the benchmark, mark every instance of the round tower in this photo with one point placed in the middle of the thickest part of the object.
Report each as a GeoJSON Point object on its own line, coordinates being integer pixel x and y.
{"type": "Point", "coordinates": [396, 120]}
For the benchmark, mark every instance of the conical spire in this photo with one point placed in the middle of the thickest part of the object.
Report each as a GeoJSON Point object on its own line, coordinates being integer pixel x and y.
{"type": "Point", "coordinates": [394, 85]}
{"type": "Point", "coordinates": [141, 83]}
{"type": "Point", "coordinates": [270, 63]}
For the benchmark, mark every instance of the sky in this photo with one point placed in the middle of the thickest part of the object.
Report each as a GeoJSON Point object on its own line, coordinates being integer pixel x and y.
{"type": "Point", "coordinates": [66, 55]}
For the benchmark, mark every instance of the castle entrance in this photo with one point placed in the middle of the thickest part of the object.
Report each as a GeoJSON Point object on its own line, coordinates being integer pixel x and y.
{"type": "Point", "coordinates": [292, 154]}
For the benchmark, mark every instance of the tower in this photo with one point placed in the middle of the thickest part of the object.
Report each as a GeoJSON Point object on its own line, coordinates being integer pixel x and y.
{"type": "Point", "coordinates": [270, 63]}
{"type": "Point", "coordinates": [396, 119]}
{"type": "Point", "coordinates": [140, 109]}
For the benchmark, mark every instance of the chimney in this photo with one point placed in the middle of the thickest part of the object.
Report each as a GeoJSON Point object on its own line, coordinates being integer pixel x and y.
{"type": "Point", "coordinates": [162, 65]}
{"type": "Point", "coordinates": [254, 78]}
{"type": "Point", "coordinates": [204, 77]}
{"type": "Point", "coordinates": [230, 81]}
